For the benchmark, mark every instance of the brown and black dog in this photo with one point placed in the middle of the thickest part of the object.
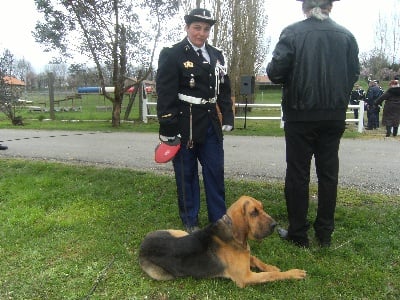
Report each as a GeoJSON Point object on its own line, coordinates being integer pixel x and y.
{"type": "Point", "coordinates": [218, 250]}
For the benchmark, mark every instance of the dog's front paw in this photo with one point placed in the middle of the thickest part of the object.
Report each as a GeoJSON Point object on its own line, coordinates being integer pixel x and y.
{"type": "Point", "coordinates": [297, 274]}
{"type": "Point", "coordinates": [270, 268]}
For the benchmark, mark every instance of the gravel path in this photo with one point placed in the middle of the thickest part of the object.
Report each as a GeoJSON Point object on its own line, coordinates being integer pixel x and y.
{"type": "Point", "coordinates": [369, 165]}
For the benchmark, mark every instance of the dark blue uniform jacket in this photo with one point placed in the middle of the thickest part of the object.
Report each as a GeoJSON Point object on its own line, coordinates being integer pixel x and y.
{"type": "Point", "coordinates": [181, 70]}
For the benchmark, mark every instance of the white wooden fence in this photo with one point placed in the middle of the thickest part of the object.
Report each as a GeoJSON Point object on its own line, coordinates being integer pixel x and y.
{"type": "Point", "coordinates": [147, 107]}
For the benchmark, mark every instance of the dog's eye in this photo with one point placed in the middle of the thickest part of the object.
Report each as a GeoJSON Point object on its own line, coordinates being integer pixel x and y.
{"type": "Point", "coordinates": [254, 213]}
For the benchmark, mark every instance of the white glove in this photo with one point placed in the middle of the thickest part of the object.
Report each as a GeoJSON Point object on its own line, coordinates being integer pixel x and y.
{"type": "Point", "coordinates": [227, 127]}
{"type": "Point", "coordinates": [169, 138]}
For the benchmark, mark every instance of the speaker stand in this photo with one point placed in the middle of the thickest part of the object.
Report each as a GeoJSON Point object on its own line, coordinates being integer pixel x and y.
{"type": "Point", "coordinates": [245, 112]}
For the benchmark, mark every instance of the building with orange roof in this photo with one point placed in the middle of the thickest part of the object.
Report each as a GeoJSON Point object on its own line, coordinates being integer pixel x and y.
{"type": "Point", "coordinates": [13, 81]}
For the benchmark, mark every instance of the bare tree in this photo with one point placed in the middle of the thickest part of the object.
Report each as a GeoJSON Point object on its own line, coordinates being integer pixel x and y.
{"type": "Point", "coordinates": [381, 34]}
{"type": "Point", "coordinates": [382, 62]}
{"type": "Point", "coordinates": [241, 33]}
{"type": "Point", "coordinates": [387, 35]}
{"type": "Point", "coordinates": [106, 31]}
{"type": "Point", "coordinates": [9, 93]}
{"type": "Point", "coordinates": [394, 37]}
{"type": "Point", "coordinates": [375, 64]}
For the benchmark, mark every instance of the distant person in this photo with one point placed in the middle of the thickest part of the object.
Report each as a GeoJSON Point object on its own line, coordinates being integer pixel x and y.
{"type": "Point", "coordinates": [191, 81]}
{"type": "Point", "coordinates": [378, 108]}
{"type": "Point", "coordinates": [373, 93]}
{"type": "Point", "coordinates": [316, 60]}
{"type": "Point", "coordinates": [391, 110]}
{"type": "Point", "coordinates": [356, 95]}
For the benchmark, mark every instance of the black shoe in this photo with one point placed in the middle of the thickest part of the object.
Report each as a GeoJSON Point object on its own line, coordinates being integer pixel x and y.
{"type": "Point", "coordinates": [284, 235]}
{"type": "Point", "coordinates": [323, 242]}
{"type": "Point", "coordinates": [191, 229]}
{"type": "Point", "coordinates": [2, 147]}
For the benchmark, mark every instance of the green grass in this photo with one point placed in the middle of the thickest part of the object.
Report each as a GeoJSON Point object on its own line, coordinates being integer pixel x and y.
{"type": "Point", "coordinates": [73, 232]}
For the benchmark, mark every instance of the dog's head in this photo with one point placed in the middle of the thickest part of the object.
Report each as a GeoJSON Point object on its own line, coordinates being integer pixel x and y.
{"type": "Point", "coordinates": [249, 220]}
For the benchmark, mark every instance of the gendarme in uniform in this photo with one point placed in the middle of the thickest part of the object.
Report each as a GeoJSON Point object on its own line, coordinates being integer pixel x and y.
{"type": "Point", "coordinates": [189, 88]}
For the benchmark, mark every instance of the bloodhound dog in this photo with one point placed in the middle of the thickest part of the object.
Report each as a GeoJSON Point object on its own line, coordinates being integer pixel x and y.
{"type": "Point", "coordinates": [218, 250]}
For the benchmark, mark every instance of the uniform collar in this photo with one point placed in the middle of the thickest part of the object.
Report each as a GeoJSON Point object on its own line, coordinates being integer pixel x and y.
{"type": "Point", "coordinates": [203, 48]}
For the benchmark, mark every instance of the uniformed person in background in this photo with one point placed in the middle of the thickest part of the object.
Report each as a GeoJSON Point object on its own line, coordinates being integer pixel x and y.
{"type": "Point", "coordinates": [356, 95]}
{"type": "Point", "coordinates": [191, 82]}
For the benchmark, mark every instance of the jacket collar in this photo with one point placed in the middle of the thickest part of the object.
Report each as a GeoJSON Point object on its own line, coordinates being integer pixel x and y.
{"type": "Point", "coordinates": [193, 56]}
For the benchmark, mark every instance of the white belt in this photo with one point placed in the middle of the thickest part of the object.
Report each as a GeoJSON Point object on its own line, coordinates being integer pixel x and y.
{"type": "Point", "coordinates": [196, 100]}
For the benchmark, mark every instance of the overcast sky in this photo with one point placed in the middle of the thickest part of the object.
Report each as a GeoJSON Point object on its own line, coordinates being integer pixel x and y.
{"type": "Point", "coordinates": [359, 16]}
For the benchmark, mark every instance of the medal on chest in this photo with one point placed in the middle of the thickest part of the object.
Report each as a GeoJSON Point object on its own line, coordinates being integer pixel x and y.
{"type": "Point", "coordinates": [192, 82]}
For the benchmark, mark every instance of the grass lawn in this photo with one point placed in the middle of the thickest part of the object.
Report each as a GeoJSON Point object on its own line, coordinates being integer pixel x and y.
{"type": "Point", "coordinates": [73, 232]}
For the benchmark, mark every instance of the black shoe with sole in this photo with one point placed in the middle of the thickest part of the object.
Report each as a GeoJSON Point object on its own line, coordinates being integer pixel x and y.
{"type": "Point", "coordinates": [284, 235]}
{"type": "Point", "coordinates": [323, 242]}
{"type": "Point", "coordinates": [191, 229]}
{"type": "Point", "coordinates": [2, 147]}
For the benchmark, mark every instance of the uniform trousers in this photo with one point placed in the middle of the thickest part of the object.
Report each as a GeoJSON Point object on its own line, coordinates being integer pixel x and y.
{"type": "Point", "coordinates": [373, 117]}
{"type": "Point", "coordinates": [303, 140]}
{"type": "Point", "coordinates": [210, 154]}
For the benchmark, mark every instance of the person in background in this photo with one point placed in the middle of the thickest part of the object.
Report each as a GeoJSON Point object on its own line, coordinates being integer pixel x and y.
{"type": "Point", "coordinates": [378, 108]}
{"type": "Point", "coordinates": [316, 60]}
{"type": "Point", "coordinates": [191, 82]}
{"type": "Point", "coordinates": [391, 110]}
{"type": "Point", "coordinates": [356, 95]}
{"type": "Point", "coordinates": [373, 93]}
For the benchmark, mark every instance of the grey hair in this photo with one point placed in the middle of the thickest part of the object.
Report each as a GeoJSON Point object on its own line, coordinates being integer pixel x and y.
{"type": "Point", "coordinates": [318, 9]}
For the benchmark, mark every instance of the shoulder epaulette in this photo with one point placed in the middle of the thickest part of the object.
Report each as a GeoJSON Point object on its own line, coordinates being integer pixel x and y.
{"type": "Point", "coordinates": [170, 46]}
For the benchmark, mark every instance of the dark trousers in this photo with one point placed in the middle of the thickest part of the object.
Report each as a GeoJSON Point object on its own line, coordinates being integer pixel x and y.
{"type": "Point", "coordinates": [211, 157]}
{"type": "Point", "coordinates": [303, 140]}
{"type": "Point", "coordinates": [389, 130]}
{"type": "Point", "coordinates": [373, 117]}
{"type": "Point", "coordinates": [355, 110]}
{"type": "Point", "coordinates": [377, 118]}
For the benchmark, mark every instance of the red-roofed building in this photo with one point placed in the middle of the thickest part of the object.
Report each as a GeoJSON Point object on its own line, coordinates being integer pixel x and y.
{"type": "Point", "coordinates": [262, 80]}
{"type": "Point", "coordinates": [13, 81]}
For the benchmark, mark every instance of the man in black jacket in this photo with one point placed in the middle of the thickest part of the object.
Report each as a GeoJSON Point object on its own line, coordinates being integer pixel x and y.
{"type": "Point", "coordinates": [191, 82]}
{"type": "Point", "coordinates": [374, 92]}
{"type": "Point", "coordinates": [316, 60]}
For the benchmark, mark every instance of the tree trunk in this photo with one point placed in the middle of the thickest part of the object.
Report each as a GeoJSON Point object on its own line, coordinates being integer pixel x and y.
{"type": "Point", "coordinates": [51, 95]}
{"type": "Point", "coordinates": [116, 114]}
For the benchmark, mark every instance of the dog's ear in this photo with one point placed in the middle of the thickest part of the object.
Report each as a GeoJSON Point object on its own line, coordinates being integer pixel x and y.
{"type": "Point", "coordinates": [240, 226]}
{"type": "Point", "coordinates": [223, 229]}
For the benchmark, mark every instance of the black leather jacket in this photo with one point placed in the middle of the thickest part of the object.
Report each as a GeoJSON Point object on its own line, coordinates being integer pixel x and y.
{"type": "Point", "coordinates": [317, 63]}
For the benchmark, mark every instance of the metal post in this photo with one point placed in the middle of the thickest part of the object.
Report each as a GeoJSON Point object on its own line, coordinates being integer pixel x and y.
{"type": "Point", "coordinates": [142, 93]}
{"type": "Point", "coordinates": [245, 113]}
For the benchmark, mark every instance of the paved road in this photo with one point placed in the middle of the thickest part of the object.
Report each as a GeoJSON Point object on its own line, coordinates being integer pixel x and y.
{"type": "Point", "coordinates": [372, 165]}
